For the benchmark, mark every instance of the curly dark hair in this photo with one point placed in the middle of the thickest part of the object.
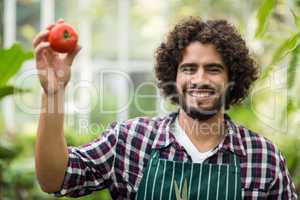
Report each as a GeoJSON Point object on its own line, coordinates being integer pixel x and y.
{"type": "Point", "coordinates": [228, 42]}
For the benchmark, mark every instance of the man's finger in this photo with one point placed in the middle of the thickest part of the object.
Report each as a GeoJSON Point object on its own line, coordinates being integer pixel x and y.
{"type": "Point", "coordinates": [70, 57]}
{"type": "Point", "coordinates": [42, 36]}
{"type": "Point", "coordinates": [61, 20]}
{"type": "Point", "coordinates": [39, 50]}
{"type": "Point", "coordinates": [49, 27]}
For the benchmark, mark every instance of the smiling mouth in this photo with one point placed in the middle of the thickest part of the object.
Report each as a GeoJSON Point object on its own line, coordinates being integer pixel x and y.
{"type": "Point", "coordinates": [201, 93]}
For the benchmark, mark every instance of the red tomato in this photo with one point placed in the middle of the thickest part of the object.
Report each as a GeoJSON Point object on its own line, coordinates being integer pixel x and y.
{"type": "Point", "coordinates": [63, 38]}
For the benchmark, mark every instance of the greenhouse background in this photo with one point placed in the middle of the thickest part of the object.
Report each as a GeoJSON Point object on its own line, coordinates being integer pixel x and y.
{"type": "Point", "coordinates": [113, 75]}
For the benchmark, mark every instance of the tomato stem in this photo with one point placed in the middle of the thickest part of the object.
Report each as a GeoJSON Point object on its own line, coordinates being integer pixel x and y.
{"type": "Point", "coordinates": [66, 34]}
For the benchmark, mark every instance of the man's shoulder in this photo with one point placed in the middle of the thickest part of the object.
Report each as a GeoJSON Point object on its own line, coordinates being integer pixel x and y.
{"type": "Point", "coordinates": [256, 144]}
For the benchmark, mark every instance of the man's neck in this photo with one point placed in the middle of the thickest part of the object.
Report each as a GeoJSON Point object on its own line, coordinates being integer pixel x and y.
{"type": "Point", "coordinates": [205, 135]}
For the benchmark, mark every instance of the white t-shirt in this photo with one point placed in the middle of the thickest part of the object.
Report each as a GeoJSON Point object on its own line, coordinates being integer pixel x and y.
{"type": "Point", "coordinates": [184, 140]}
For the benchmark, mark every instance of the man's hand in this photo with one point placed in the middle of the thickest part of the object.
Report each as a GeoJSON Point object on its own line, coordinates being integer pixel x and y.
{"type": "Point", "coordinates": [53, 67]}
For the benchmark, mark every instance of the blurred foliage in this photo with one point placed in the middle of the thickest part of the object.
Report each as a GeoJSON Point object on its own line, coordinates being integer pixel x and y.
{"type": "Point", "coordinates": [262, 16]}
{"type": "Point", "coordinates": [144, 99]}
{"type": "Point", "coordinates": [291, 148]}
{"type": "Point", "coordinates": [28, 21]}
{"type": "Point", "coordinates": [274, 42]}
{"type": "Point", "coordinates": [274, 23]}
{"type": "Point", "coordinates": [8, 150]}
{"type": "Point", "coordinates": [11, 62]}
{"type": "Point", "coordinates": [102, 16]}
{"type": "Point", "coordinates": [1, 23]}
{"type": "Point", "coordinates": [19, 179]}
{"type": "Point", "coordinates": [7, 90]}
{"type": "Point", "coordinates": [100, 119]}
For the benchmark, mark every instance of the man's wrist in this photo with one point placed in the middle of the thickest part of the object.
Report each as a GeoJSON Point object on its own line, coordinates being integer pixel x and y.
{"type": "Point", "coordinates": [54, 102]}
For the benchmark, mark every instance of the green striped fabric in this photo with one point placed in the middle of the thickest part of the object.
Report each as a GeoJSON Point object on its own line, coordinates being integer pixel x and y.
{"type": "Point", "coordinates": [173, 180]}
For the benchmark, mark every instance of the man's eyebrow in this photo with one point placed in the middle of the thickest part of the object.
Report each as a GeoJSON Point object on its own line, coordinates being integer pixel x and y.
{"type": "Point", "coordinates": [188, 65]}
{"type": "Point", "coordinates": [219, 65]}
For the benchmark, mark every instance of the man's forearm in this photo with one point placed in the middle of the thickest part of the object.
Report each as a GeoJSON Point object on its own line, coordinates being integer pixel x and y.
{"type": "Point", "coordinates": [51, 154]}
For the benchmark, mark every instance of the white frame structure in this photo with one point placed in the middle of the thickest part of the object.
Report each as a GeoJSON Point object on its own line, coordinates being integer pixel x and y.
{"type": "Point", "coordinates": [9, 39]}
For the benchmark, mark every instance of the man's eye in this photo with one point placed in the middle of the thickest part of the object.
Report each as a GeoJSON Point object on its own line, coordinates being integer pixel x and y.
{"type": "Point", "coordinates": [214, 69]}
{"type": "Point", "coordinates": [187, 69]}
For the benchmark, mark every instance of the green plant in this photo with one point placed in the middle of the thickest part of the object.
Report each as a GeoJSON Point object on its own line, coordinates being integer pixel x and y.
{"type": "Point", "coordinates": [281, 40]}
{"type": "Point", "coordinates": [287, 50]}
{"type": "Point", "coordinates": [12, 60]}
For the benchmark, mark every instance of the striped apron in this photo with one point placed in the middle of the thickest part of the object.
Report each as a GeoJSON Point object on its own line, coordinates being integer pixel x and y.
{"type": "Point", "coordinates": [174, 180]}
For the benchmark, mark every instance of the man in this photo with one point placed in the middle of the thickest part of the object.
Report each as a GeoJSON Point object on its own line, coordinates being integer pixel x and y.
{"type": "Point", "coordinates": [195, 153]}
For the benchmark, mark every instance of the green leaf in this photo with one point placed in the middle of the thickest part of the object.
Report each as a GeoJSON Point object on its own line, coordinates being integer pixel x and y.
{"type": "Point", "coordinates": [184, 190]}
{"type": "Point", "coordinates": [296, 19]}
{"type": "Point", "coordinates": [9, 90]}
{"type": "Point", "coordinates": [22, 173]}
{"type": "Point", "coordinates": [8, 150]}
{"type": "Point", "coordinates": [285, 48]}
{"type": "Point", "coordinates": [11, 61]}
{"type": "Point", "coordinates": [292, 68]}
{"type": "Point", "coordinates": [262, 16]}
{"type": "Point", "coordinates": [177, 192]}
{"type": "Point", "coordinates": [2, 165]}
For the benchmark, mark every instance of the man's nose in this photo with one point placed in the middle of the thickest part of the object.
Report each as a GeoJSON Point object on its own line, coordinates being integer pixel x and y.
{"type": "Point", "coordinates": [199, 76]}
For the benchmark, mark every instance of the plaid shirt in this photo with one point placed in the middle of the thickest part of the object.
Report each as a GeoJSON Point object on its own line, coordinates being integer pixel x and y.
{"type": "Point", "coordinates": [118, 158]}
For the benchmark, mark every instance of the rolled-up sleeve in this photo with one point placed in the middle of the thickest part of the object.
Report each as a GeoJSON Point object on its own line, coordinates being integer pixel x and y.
{"type": "Point", "coordinates": [90, 166]}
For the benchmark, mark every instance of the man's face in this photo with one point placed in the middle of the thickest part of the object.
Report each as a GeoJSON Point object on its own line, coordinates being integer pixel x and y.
{"type": "Point", "coordinates": [201, 81]}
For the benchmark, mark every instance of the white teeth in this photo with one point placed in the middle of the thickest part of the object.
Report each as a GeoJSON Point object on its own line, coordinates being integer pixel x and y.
{"type": "Point", "coordinates": [201, 94]}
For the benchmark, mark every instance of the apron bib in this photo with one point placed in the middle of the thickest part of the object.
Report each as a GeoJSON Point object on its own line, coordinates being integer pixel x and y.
{"type": "Point", "coordinates": [175, 180]}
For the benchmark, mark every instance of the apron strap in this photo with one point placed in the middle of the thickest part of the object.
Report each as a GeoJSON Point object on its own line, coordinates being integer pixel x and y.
{"type": "Point", "coordinates": [154, 153]}
{"type": "Point", "coordinates": [234, 159]}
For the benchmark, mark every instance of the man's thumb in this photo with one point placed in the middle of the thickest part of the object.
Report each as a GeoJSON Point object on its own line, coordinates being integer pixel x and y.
{"type": "Point", "coordinates": [71, 56]}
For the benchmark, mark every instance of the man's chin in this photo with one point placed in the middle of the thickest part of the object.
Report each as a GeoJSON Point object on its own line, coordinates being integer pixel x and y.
{"type": "Point", "coordinates": [203, 111]}
{"type": "Point", "coordinates": [200, 114]}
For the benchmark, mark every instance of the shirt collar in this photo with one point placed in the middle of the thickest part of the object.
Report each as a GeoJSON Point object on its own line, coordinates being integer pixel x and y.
{"type": "Point", "coordinates": [232, 141]}
{"type": "Point", "coordinates": [164, 131]}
